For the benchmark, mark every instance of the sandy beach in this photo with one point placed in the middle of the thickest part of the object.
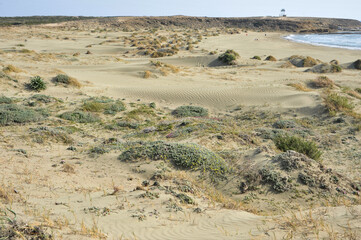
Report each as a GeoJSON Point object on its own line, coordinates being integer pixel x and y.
{"type": "Point", "coordinates": [66, 177]}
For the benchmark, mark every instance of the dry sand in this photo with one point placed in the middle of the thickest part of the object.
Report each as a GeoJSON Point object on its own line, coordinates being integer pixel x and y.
{"type": "Point", "coordinates": [63, 200]}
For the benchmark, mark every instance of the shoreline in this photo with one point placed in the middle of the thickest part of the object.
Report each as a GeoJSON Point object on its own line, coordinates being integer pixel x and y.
{"type": "Point", "coordinates": [290, 37]}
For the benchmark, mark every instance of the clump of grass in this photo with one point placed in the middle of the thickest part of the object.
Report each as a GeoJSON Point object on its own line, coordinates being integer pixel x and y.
{"type": "Point", "coordinates": [103, 104]}
{"type": "Point", "coordinates": [299, 87]}
{"type": "Point", "coordinates": [187, 156]}
{"type": "Point", "coordinates": [271, 58]}
{"type": "Point", "coordinates": [354, 94]}
{"type": "Point", "coordinates": [358, 90]}
{"type": "Point", "coordinates": [37, 84]}
{"type": "Point", "coordinates": [15, 114]}
{"type": "Point", "coordinates": [229, 57]}
{"type": "Point", "coordinates": [4, 75]}
{"type": "Point", "coordinates": [287, 64]}
{"type": "Point", "coordinates": [190, 111]}
{"type": "Point", "coordinates": [65, 79]}
{"type": "Point", "coordinates": [121, 125]}
{"type": "Point", "coordinates": [11, 68]}
{"type": "Point", "coordinates": [336, 103]}
{"type": "Point", "coordinates": [357, 64]}
{"type": "Point", "coordinates": [309, 62]}
{"type": "Point", "coordinates": [80, 117]}
{"type": "Point", "coordinates": [43, 98]}
{"type": "Point", "coordinates": [286, 142]}
{"type": "Point", "coordinates": [5, 100]}
{"type": "Point", "coordinates": [147, 74]}
{"type": "Point", "coordinates": [143, 112]}
{"type": "Point", "coordinates": [44, 134]}
{"type": "Point", "coordinates": [257, 58]}
{"type": "Point", "coordinates": [335, 68]}
{"type": "Point", "coordinates": [322, 82]}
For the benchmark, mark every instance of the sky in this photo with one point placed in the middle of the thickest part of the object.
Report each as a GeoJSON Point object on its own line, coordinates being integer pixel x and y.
{"type": "Point", "coordinates": [209, 8]}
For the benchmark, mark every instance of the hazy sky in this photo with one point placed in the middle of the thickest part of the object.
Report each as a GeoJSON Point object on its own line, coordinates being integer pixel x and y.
{"type": "Point", "coordinates": [210, 8]}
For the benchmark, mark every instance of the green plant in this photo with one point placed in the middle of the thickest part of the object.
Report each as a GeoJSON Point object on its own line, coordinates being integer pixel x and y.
{"type": "Point", "coordinates": [187, 156]}
{"type": "Point", "coordinates": [229, 57]}
{"type": "Point", "coordinates": [285, 142]}
{"type": "Point", "coordinates": [103, 104]}
{"type": "Point", "coordinates": [257, 58]}
{"type": "Point", "coordinates": [13, 114]}
{"type": "Point", "coordinates": [37, 84]}
{"type": "Point", "coordinates": [335, 68]}
{"type": "Point", "coordinates": [358, 90]}
{"type": "Point", "coordinates": [190, 111]}
{"type": "Point", "coordinates": [80, 117]}
{"type": "Point", "coordinates": [357, 64]}
{"type": "Point", "coordinates": [335, 103]}
{"type": "Point", "coordinates": [271, 58]}
{"type": "Point", "coordinates": [65, 79]}
{"type": "Point", "coordinates": [6, 100]}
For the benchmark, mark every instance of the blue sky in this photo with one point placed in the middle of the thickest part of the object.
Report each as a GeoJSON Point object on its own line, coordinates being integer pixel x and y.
{"type": "Point", "coordinates": [210, 8]}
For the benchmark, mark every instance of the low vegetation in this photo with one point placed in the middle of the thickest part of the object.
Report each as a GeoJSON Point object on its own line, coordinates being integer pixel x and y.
{"type": "Point", "coordinates": [80, 117]}
{"type": "Point", "coordinates": [37, 84]}
{"type": "Point", "coordinates": [16, 114]}
{"type": "Point", "coordinates": [66, 80]}
{"type": "Point", "coordinates": [287, 142]}
{"type": "Point", "coordinates": [190, 111]}
{"type": "Point", "coordinates": [357, 64]}
{"type": "Point", "coordinates": [271, 58]}
{"type": "Point", "coordinates": [322, 82]}
{"type": "Point", "coordinates": [187, 156]}
{"type": "Point", "coordinates": [336, 103]}
{"type": "Point", "coordinates": [229, 57]}
{"type": "Point", "coordinates": [103, 104]}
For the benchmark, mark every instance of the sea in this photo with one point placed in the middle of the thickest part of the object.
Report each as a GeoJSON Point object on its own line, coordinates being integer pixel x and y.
{"type": "Point", "coordinates": [349, 40]}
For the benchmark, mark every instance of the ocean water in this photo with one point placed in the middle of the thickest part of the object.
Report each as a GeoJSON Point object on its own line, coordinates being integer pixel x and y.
{"type": "Point", "coordinates": [339, 40]}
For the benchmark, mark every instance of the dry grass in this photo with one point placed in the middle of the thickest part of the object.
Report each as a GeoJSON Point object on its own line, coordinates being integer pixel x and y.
{"type": "Point", "coordinates": [311, 225]}
{"type": "Point", "coordinates": [5, 195]}
{"type": "Point", "coordinates": [299, 87]}
{"type": "Point", "coordinates": [68, 168]}
{"type": "Point", "coordinates": [322, 82]}
{"type": "Point", "coordinates": [11, 69]}
{"type": "Point", "coordinates": [354, 94]}
{"type": "Point", "coordinates": [147, 74]}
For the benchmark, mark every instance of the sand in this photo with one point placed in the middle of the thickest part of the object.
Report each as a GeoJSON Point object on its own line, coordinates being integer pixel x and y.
{"type": "Point", "coordinates": [82, 204]}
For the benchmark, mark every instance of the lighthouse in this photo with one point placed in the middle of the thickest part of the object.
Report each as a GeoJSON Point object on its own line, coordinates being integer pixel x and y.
{"type": "Point", "coordinates": [283, 13]}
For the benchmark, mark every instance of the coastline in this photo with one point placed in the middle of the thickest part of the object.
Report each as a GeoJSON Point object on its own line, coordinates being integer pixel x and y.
{"type": "Point", "coordinates": [291, 38]}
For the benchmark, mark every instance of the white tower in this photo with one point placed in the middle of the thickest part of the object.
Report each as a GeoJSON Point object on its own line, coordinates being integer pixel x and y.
{"type": "Point", "coordinates": [283, 13]}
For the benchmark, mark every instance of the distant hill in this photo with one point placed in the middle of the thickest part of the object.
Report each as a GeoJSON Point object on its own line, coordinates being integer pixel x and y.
{"type": "Point", "coordinates": [13, 21]}
{"type": "Point", "coordinates": [288, 24]}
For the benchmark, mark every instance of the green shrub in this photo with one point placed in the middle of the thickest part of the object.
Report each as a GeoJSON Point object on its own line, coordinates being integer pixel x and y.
{"type": "Point", "coordinates": [286, 142]}
{"type": "Point", "coordinates": [190, 111]}
{"type": "Point", "coordinates": [80, 117]}
{"type": "Point", "coordinates": [45, 134]}
{"type": "Point", "coordinates": [103, 104]}
{"type": "Point", "coordinates": [187, 156]}
{"type": "Point", "coordinates": [309, 62]}
{"type": "Point", "coordinates": [12, 114]}
{"type": "Point", "coordinates": [271, 58]}
{"type": "Point", "coordinates": [121, 125]}
{"type": "Point", "coordinates": [335, 103]}
{"type": "Point", "coordinates": [43, 98]}
{"type": "Point", "coordinates": [257, 58]}
{"type": "Point", "coordinates": [6, 100]}
{"type": "Point", "coordinates": [335, 68]}
{"type": "Point", "coordinates": [358, 90]}
{"type": "Point", "coordinates": [37, 84]}
{"type": "Point", "coordinates": [65, 79]}
{"type": "Point", "coordinates": [229, 57]}
{"type": "Point", "coordinates": [357, 64]}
